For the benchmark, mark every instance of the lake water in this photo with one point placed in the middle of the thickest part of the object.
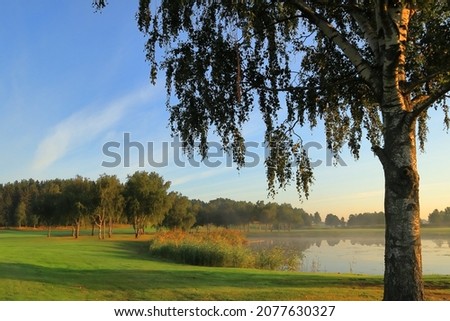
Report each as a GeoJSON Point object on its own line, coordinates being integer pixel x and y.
{"type": "Point", "coordinates": [358, 255]}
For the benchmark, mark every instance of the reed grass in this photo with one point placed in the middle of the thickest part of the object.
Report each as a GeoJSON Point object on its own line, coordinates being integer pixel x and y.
{"type": "Point", "coordinates": [220, 248]}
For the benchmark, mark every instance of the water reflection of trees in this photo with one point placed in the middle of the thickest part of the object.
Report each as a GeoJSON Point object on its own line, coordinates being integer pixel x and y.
{"type": "Point", "coordinates": [304, 243]}
{"type": "Point", "coordinates": [441, 242]}
{"type": "Point", "coordinates": [367, 241]}
{"type": "Point", "coordinates": [313, 259]}
{"type": "Point", "coordinates": [333, 241]}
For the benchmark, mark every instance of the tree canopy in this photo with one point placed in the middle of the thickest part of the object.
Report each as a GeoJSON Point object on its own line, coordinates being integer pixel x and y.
{"type": "Point", "coordinates": [299, 62]}
{"type": "Point", "coordinates": [80, 202]}
{"type": "Point", "coordinates": [365, 68]}
{"type": "Point", "coordinates": [440, 217]}
{"type": "Point", "coordinates": [147, 200]}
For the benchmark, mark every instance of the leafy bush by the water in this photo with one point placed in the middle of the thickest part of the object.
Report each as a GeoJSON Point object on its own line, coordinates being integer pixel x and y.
{"type": "Point", "coordinates": [226, 248]}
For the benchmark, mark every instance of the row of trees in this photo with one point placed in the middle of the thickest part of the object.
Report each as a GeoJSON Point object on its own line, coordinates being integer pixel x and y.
{"type": "Point", "coordinates": [361, 219]}
{"type": "Point", "coordinates": [143, 200]}
{"type": "Point", "coordinates": [366, 219]}
{"type": "Point", "coordinates": [226, 212]}
{"type": "Point", "coordinates": [440, 217]}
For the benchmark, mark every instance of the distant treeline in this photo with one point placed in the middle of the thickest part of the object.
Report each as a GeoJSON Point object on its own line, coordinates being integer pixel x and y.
{"type": "Point", "coordinates": [269, 216]}
{"type": "Point", "coordinates": [366, 219]}
{"type": "Point", "coordinates": [355, 220]}
{"type": "Point", "coordinates": [440, 218]}
{"type": "Point", "coordinates": [142, 201]}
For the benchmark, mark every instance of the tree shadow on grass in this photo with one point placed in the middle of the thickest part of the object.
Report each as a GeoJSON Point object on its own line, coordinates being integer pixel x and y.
{"type": "Point", "coordinates": [134, 279]}
{"type": "Point", "coordinates": [176, 278]}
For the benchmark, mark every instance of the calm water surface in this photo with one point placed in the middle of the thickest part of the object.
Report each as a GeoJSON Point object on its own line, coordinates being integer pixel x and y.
{"type": "Point", "coordinates": [358, 255]}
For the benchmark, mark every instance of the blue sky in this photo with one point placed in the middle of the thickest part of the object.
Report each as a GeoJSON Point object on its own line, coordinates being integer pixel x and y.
{"type": "Point", "coordinates": [72, 80]}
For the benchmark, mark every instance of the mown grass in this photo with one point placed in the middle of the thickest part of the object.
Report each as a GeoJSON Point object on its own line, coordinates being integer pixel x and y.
{"type": "Point", "coordinates": [33, 267]}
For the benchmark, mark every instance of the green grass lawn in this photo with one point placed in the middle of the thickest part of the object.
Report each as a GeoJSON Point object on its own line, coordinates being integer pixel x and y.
{"type": "Point", "coordinates": [34, 267]}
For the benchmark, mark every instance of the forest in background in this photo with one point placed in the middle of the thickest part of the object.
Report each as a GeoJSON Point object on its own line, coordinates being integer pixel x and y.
{"type": "Point", "coordinates": [144, 201]}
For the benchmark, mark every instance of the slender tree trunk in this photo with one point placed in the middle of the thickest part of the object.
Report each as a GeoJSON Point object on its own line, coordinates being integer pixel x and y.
{"type": "Point", "coordinates": [78, 227]}
{"type": "Point", "coordinates": [100, 229]}
{"type": "Point", "coordinates": [110, 225]}
{"type": "Point", "coordinates": [403, 258]}
{"type": "Point", "coordinates": [136, 227]}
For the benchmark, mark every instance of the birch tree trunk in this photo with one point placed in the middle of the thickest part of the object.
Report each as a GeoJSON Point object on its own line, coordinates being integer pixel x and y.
{"type": "Point", "coordinates": [403, 258]}
{"type": "Point", "coordinates": [403, 253]}
{"type": "Point", "coordinates": [99, 223]}
{"type": "Point", "coordinates": [110, 225]}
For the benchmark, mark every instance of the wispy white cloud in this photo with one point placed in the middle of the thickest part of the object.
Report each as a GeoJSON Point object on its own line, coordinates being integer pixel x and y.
{"type": "Point", "coordinates": [83, 126]}
{"type": "Point", "coordinates": [197, 176]}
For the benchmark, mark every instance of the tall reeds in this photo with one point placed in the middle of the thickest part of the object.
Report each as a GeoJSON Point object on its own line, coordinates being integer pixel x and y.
{"type": "Point", "coordinates": [219, 248]}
